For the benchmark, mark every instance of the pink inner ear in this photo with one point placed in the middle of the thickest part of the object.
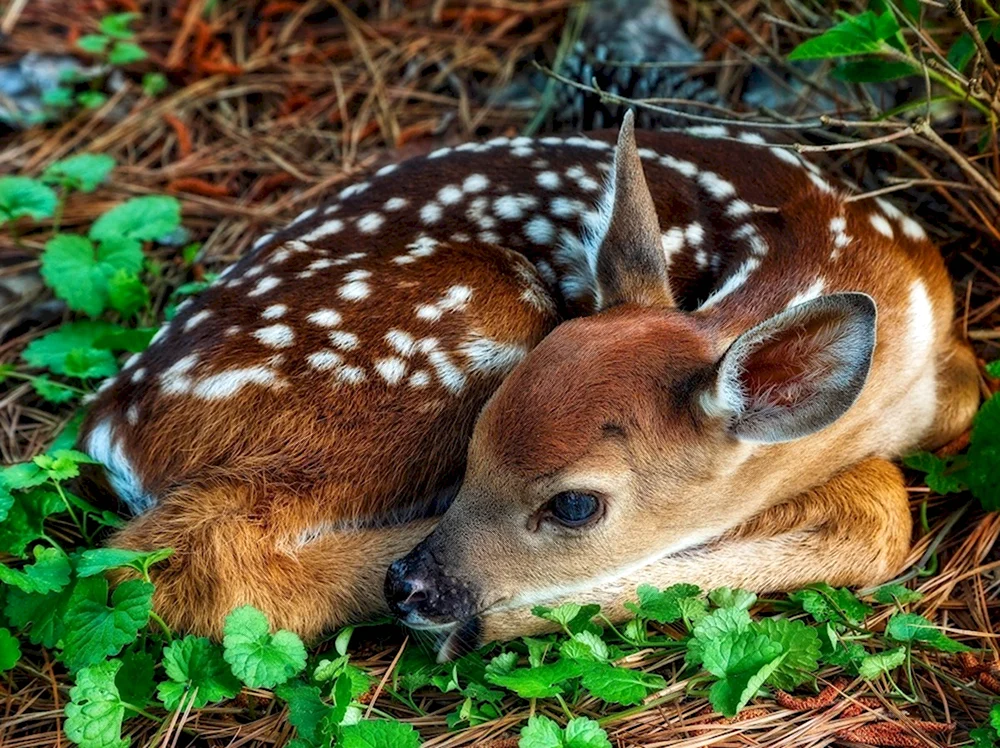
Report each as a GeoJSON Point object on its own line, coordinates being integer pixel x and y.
{"type": "Point", "coordinates": [787, 368]}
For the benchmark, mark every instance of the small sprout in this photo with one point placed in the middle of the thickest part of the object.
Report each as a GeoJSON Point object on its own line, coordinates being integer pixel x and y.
{"type": "Point", "coordinates": [22, 196]}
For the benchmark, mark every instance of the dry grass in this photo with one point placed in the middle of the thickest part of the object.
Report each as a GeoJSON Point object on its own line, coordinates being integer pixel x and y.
{"type": "Point", "coordinates": [273, 104]}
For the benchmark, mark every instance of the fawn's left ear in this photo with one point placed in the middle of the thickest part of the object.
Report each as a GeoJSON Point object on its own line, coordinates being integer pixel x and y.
{"type": "Point", "coordinates": [631, 266]}
{"type": "Point", "coordinates": [796, 372]}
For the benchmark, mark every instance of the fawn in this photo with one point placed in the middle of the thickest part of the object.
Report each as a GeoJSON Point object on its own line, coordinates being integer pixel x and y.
{"type": "Point", "coordinates": [564, 367]}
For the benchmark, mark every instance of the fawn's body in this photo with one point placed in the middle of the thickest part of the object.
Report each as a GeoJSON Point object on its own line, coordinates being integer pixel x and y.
{"type": "Point", "coordinates": [302, 423]}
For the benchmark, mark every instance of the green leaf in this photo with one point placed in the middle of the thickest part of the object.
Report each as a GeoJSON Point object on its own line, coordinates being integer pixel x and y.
{"type": "Point", "coordinates": [618, 685]}
{"type": "Point", "coordinates": [93, 44]}
{"type": "Point", "coordinates": [141, 218]}
{"type": "Point", "coordinates": [69, 350]}
{"type": "Point", "coordinates": [580, 732]}
{"type": "Point", "coordinates": [127, 293]}
{"type": "Point", "coordinates": [22, 196]}
{"type": "Point", "coordinates": [95, 713]}
{"type": "Point", "coordinates": [91, 99]}
{"type": "Point", "coordinates": [59, 97]}
{"type": "Point", "coordinates": [49, 573]}
{"type": "Point", "coordinates": [984, 455]}
{"type": "Point", "coordinates": [538, 682]}
{"type": "Point", "coordinates": [585, 645]}
{"type": "Point", "coordinates": [135, 679]}
{"type": "Point", "coordinates": [62, 465]}
{"type": "Point", "coordinates": [800, 646]}
{"type": "Point", "coordinates": [258, 658]}
{"type": "Point", "coordinates": [742, 661]}
{"type": "Point", "coordinates": [116, 25]}
{"type": "Point", "coordinates": [306, 710]}
{"type": "Point", "coordinates": [825, 603]}
{"type": "Point", "coordinates": [10, 650]}
{"type": "Point", "coordinates": [724, 597]}
{"type": "Point", "coordinates": [993, 367]}
{"type": "Point", "coordinates": [125, 53]}
{"type": "Point", "coordinates": [940, 474]}
{"type": "Point", "coordinates": [665, 606]}
{"type": "Point", "coordinates": [856, 35]}
{"type": "Point", "coordinates": [964, 49]}
{"type": "Point", "coordinates": [44, 614]}
{"type": "Point", "coordinates": [52, 392]}
{"type": "Point", "coordinates": [26, 517]}
{"type": "Point", "coordinates": [911, 627]}
{"type": "Point", "coordinates": [85, 172]}
{"type": "Point", "coordinates": [95, 630]}
{"type": "Point", "coordinates": [888, 594]}
{"type": "Point", "coordinates": [379, 733]}
{"type": "Point", "coordinates": [80, 274]}
{"type": "Point", "coordinates": [153, 84]}
{"type": "Point", "coordinates": [873, 70]}
{"type": "Point", "coordinates": [21, 476]}
{"type": "Point", "coordinates": [99, 560]}
{"type": "Point", "coordinates": [131, 340]}
{"type": "Point", "coordinates": [195, 666]}
{"type": "Point", "coordinates": [872, 666]}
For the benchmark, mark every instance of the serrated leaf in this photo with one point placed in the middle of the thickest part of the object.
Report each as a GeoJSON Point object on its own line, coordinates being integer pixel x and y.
{"type": "Point", "coordinates": [888, 594]}
{"type": "Point", "coordinates": [22, 196]}
{"type": "Point", "coordinates": [10, 650]}
{"type": "Point", "coordinates": [69, 351]}
{"type": "Point", "coordinates": [132, 340]}
{"type": "Point", "coordinates": [95, 630]}
{"type": "Point", "coordinates": [135, 681]}
{"type": "Point", "coordinates": [140, 218]}
{"type": "Point", "coordinates": [26, 517]}
{"type": "Point", "coordinates": [52, 392]}
{"type": "Point", "coordinates": [826, 603]}
{"type": "Point", "coordinates": [49, 573]}
{"type": "Point", "coordinates": [195, 667]}
{"type": "Point", "coordinates": [618, 685]}
{"type": "Point", "coordinates": [665, 606]}
{"type": "Point", "coordinates": [258, 658]}
{"type": "Point", "coordinates": [379, 733]}
{"type": "Point", "coordinates": [911, 627]}
{"type": "Point", "coordinates": [984, 455]}
{"type": "Point", "coordinates": [153, 84]}
{"type": "Point", "coordinates": [872, 666]}
{"type": "Point", "coordinates": [857, 35]}
{"type": "Point", "coordinates": [742, 661]}
{"type": "Point", "coordinates": [85, 172]}
{"type": "Point", "coordinates": [724, 597]}
{"type": "Point", "coordinates": [125, 53]}
{"type": "Point", "coordinates": [42, 615]}
{"type": "Point", "coordinates": [127, 294]}
{"type": "Point", "coordinates": [95, 713]}
{"type": "Point", "coordinates": [580, 732]}
{"type": "Point", "coordinates": [306, 710]}
{"type": "Point", "coordinates": [941, 476]}
{"type": "Point", "coordinates": [99, 560]}
{"type": "Point", "coordinates": [80, 273]}
{"type": "Point", "coordinates": [585, 645]}
{"type": "Point", "coordinates": [538, 682]}
{"type": "Point", "coordinates": [800, 646]}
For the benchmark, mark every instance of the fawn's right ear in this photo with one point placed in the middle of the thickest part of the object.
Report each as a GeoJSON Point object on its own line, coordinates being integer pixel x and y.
{"type": "Point", "coordinates": [631, 266]}
{"type": "Point", "coordinates": [796, 372]}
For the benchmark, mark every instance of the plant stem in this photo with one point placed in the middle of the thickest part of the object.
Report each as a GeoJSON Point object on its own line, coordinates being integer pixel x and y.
{"type": "Point", "coordinates": [162, 624]}
{"type": "Point", "coordinates": [72, 514]}
{"type": "Point", "coordinates": [565, 708]}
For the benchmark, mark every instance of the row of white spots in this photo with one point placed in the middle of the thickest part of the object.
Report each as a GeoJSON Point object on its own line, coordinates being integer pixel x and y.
{"type": "Point", "coordinates": [455, 299]}
{"type": "Point", "coordinates": [423, 246]}
{"type": "Point", "coordinates": [841, 240]}
{"type": "Point", "coordinates": [674, 240]}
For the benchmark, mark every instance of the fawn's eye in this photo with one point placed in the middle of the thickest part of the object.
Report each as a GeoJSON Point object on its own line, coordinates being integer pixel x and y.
{"type": "Point", "coordinates": [574, 509]}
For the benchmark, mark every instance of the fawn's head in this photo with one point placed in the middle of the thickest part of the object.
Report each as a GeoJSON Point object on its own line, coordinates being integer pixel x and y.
{"type": "Point", "coordinates": [628, 435]}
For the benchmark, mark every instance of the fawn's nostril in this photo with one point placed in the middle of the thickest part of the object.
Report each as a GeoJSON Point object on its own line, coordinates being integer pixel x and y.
{"type": "Point", "coordinates": [402, 591]}
{"type": "Point", "coordinates": [414, 592]}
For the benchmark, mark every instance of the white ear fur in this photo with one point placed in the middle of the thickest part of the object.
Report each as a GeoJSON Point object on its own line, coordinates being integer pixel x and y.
{"type": "Point", "coordinates": [827, 367]}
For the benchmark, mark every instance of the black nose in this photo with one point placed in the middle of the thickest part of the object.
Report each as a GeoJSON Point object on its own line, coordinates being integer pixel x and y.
{"type": "Point", "coordinates": [403, 591]}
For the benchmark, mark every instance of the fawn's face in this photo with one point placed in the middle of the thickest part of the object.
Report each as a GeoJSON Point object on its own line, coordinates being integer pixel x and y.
{"type": "Point", "coordinates": [626, 436]}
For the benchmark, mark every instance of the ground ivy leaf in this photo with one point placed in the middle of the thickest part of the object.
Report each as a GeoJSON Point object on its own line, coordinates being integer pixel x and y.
{"type": "Point", "coordinates": [26, 518]}
{"type": "Point", "coordinates": [131, 340]}
{"type": "Point", "coordinates": [857, 35]}
{"type": "Point", "coordinates": [724, 597]}
{"type": "Point", "coordinates": [41, 614]}
{"type": "Point", "coordinates": [580, 732]}
{"type": "Point", "coordinates": [52, 392]}
{"type": "Point", "coordinates": [135, 679]}
{"type": "Point", "coordinates": [826, 603]}
{"type": "Point", "coordinates": [911, 627]}
{"type": "Point", "coordinates": [618, 685]}
{"type": "Point", "coordinates": [306, 710]}
{"type": "Point", "coordinates": [800, 646]}
{"type": "Point", "coordinates": [939, 474]}
{"type": "Point", "coordinates": [142, 218]}
{"type": "Point", "coordinates": [85, 172]}
{"type": "Point", "coordinates": [192, 663]}
{"type": "Point", "coordinates": [23, 196]}
{"type": "Point", "coordinates": [49, 573]}
{"type": "Point", "coordinates": [99, 560]}
{"type": "Point", "coordinates": [984, 455]}
{"type": "Point", "coordinates": [10, 650]}
{"type": "Point", "coordinates": [665, 606]}
{"type": "Point", "coordinates": [95, 713]}
{"type": "Point", "coordinates": [95, 630]}
{"type": "Point", "coordinates": [872, 666]}
{"type": "Point", "coordinates": [116, 25]}
{"type": "Point", "coordinates": [585, 645]}
{"type": "Point", "coordinates": [502, 664]}
{"type": "Point", "coordinates": [538, 682]}
{"type": "Point", "coordinates": [69, 350]}
{"type": "Point", "coordinates": [742, 661]}
{"type": "Point", "coordinates": [888, 594]}
{"type": "Point", "coordinates": [379, 733]}
{"type": "Point", "coordinates": [258, 658]}
{"type": "Point", "coordinates": [125, 53]}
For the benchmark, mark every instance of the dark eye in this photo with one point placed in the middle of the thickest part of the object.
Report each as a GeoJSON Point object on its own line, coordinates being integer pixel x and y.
{"type": "Point", "coordinates": [574, 509]}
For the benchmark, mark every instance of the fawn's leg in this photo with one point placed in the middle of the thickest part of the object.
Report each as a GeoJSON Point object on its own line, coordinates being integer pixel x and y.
{"type": "Point", "coordinates": [854, 530]}
{"type": "Point", "coordinates": [231, 549]}
{"type": "Point", "coordinates": [957, 393]}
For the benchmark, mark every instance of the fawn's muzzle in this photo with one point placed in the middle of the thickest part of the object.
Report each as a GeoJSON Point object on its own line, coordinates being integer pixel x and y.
{"type": "Point", "coordinates": [422, 595]}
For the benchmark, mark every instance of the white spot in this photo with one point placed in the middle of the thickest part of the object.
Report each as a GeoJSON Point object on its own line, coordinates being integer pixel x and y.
{"type": "Point", "coordinates": [228, 383]}
{"type": "Point", "coordinates": [276, 259]}
{"type": "Point", "coordinates": [387, 169]}
{"type": "Point", "coordinates": [196, 319]}
{"type": "Point", "coordinates": [540, 230]}
{"type": "Point", "coordinates": [423, 246]}
{"type": "Point", "coordinates": [491, 356]}
{"type": "Point", "coordinates": [370, 222]}
{"type": "Point", "coordinates": [454, 299]}
{"type": "Point", "coordinates": [912, 229]}
{"type": "Point", "coordinates": [694, 234]}
{"type": "Point", "coordinates": [564, 207]}
{"type": "Point", "coordinates": [549, 180]}
{"type": "Point", "coordinates": [103, 446]}
{"type": "Point", "coordinates": [345, 341]}
{"type": "Point", "coordinates": [520, 152]}
{"type": "Point", "coordinates": [358, 275]}
{"type": "Point", "coordinates": [325, 318]}
{"type": "Point", "coordinates": [461, 236]}
{"type": "Point", "coordinates": [685, 168]}
{"type": "Point", "coordinates": [264, 285]}
{"type": "Point", "coordinates": [475, 183]}
{"type": "Point", "coordinates": [354, 291]}
{"type": "Point", "coordinates": [430, 213]}
{"type": "Point", "coordinates": [392, 370]}
{"type": "Point", "coordinates": [449, 195]}
{"type": "Point", "coordinates": [701, 258]}
{"type": "Point", "coordinates": [921, 333]}
{"type": "Point", "coordinates": [232, 329]}
{"type": "Point", "coordinates": [138, 374]}
{"type": "Point", "coordinates": [323, 230]}
{"type": "Point", "coordinates": [512, 207]}
{"type": "Point", "coordinates": [175, 380]}
{"type": "Point", "coordinates": [324, 359]}
{"type": "Point", "coordinates": [402, 342]}
{"type": "Point", "coordinates": [303, 216]}
{"type": "Point", "coordinates": [395, 203]}
{"type": "Point", "coordinates": [276, 336]}
{"type": "Point", "coordinates": [707, 131]}
{"type": "Point", "coordinates": [351, 374]}
{"type": "Point", "coordinates": [451, 377]}
{"type": "Point", "coordinates": [732, 283]}
{"type": "Point", "coordinates": [881, 225]}
{"type": "Point", "coordinates": [489, 237]}
{"type": "Point", "coordinates": [354, 189]}
{"type": "Point", "coordinates": [786, 155]}
{"type": "Point", "coordinates": [738, 209]}
{"type": "Point", "coordinates": [274, 311]}
{"type": "Point", "coordinates": [439, 153]}
{"type": "Point", "coordinates": [820, 183]}
{"type": "Point", "coordinates": [321, 264]}
{"type": "Point", "coordinates": [132, 414]}
{"type": "Point", "coordinates": [256, 245]}
{"type": "Point", "coordinates": [589, 184]}
{"type": "Point", "coordinates": [672, 242]}
{"type": "Point", "coordinates": [888, 208]}
{"type": "Point", "coordinates": [420, 378]}
{"type": "Point", "coordinates": [810, 293]}
{"type": "Point", "coordinates": [715, 185]}
{"type": "Point", "coordinates": [751, 137]}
